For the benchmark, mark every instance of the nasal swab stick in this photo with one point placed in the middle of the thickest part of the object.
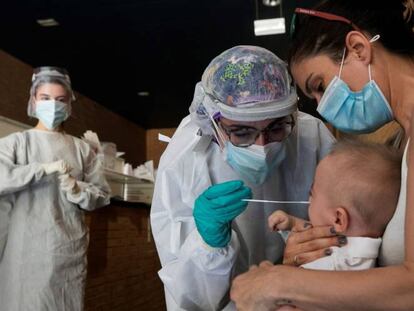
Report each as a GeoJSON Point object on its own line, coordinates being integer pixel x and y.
{"type": "Point", "coordinates": [277, 202]}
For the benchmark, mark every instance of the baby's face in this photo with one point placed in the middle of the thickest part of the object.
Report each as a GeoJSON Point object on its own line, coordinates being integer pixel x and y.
{"type": "Point", "coordinates": [321, 211]}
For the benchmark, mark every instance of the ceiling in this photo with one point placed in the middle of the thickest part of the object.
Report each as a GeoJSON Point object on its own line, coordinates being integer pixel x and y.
{"type": "Point", "coordinates": [115, 49]}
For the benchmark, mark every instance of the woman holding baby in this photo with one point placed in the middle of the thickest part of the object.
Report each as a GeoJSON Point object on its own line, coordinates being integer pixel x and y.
{"type": "Point", "coordinates": [356, 58]}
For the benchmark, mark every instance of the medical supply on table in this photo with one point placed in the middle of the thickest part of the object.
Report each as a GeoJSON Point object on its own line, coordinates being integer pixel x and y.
{"type": "Point", "coordinates": [129, 188]}
{"type": "Point", "coordinates": [127, 170]}
{"type": "Point", "coordinates": [145, 171]}
{"type": "Point", "coordinates": [112, 160]}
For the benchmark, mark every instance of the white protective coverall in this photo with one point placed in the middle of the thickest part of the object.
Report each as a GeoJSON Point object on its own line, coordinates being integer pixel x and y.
{"type": "Point", "coordinates": [196, 276]}
{"type": "Point", "coordinates": [43, 235]}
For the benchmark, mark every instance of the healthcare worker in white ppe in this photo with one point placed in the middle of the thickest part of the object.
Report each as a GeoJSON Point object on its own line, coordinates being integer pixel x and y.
{"type": "Point", "coordinates": [244, 139]}
{"type": "Point", "coordinates": [47, 179]}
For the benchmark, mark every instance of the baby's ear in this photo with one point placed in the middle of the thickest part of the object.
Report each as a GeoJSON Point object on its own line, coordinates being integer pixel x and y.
{"type": "Point", "coordinates": [341, 220]}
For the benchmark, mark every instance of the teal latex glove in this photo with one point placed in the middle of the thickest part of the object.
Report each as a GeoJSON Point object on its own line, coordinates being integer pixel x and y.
{"type": "Point", "coordinates": [216, 207]}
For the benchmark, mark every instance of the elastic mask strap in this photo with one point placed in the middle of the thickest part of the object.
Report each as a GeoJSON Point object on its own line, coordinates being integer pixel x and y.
{"type": "Point", "coordinates": [342, 62]}
{"type": "Point", "coordinates": [369, 72]}
{"type": "Point", "coordinates": [373, 39]}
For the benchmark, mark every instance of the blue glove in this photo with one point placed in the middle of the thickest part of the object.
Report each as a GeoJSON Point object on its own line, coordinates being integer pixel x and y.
{"type": "Point", "coordinates": [216, 207]}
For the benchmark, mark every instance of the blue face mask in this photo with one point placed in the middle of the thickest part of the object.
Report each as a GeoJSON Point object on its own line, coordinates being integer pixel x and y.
{"type": "Point", "coordinates": [51, 113]}
{"type": "Point", "coordinates": [254, 163]}
{"type": "Point", "coordinates": [354, 112]}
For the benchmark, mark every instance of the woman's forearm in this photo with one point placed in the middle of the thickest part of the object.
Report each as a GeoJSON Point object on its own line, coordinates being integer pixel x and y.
{"type": "Point", "coordinates": [409, 214]}
{"type": "Point", "coordinates": [390, 288]}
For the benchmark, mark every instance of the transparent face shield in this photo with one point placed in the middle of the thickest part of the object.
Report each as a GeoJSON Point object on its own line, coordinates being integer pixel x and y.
{"type": "Point", "coordinates": [219, 136]}
{"type": "Point", "coordinates": [49, 75]}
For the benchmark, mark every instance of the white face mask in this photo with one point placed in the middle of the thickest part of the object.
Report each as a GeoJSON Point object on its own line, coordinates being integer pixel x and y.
{"type": "Point", "coordinates": [272, 151]}
{"type": "Point", "coordinates": [51, 113]}
{"type": "Point", "coordinates": [255, 163]}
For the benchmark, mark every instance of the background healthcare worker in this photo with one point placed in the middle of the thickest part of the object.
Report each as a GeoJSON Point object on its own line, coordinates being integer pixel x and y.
{"type": "Point", "coordinates": [244, 138]}
{"type": "Point", "coordinates": [356, 58]}
{"type": "Point", "coordinates": [47, 179]}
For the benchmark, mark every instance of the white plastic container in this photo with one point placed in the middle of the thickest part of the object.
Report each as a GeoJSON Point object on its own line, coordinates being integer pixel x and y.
{"type": "Point", "coordinates": [114, 163]}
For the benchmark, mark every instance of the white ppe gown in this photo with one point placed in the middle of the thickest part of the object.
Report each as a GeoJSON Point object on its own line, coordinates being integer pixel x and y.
{"type": "Point", "coordinates": [43, 237]}
{"type": "Point", "coordinates": [195, 276]}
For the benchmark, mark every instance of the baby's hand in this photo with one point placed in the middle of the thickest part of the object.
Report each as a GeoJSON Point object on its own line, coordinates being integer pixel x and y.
{"type": "Point", "coordinates": [279, 220]}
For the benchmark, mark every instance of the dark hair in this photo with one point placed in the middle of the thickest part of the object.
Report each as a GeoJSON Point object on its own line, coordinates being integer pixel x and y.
{"type": "Point", "coordinates": [391, 19]}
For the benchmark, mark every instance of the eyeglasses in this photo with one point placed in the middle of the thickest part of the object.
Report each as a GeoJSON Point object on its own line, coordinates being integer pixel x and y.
{"type": "Point", "coordinates": [323, 15]}
{"type": "Point", "coordinates": [245, 136]}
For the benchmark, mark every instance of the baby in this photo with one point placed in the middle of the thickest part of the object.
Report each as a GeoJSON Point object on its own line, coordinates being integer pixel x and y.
{"type": "Point", "coordinates": [355, 190]}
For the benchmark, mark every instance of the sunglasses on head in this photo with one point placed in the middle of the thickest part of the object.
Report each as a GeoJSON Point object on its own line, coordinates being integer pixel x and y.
{"type": "Point", "coordinates": [319, 14]}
